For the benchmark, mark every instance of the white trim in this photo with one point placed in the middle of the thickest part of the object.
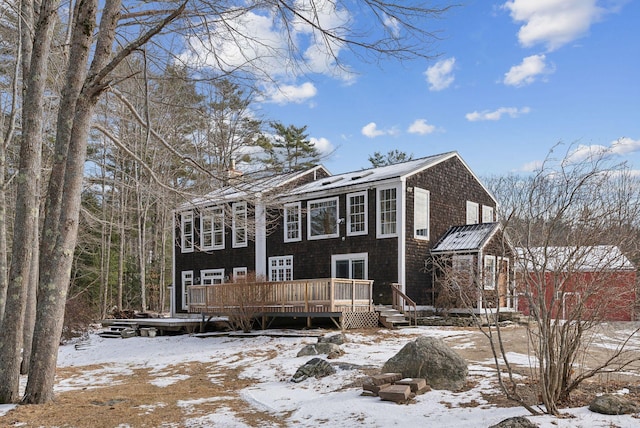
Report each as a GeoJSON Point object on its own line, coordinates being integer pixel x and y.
{"type": "Point", "coordinates": [398, 211]}
{"type": "Point", "coordinates": [309, 209]}
{"type": "Point", "coordinates": [261, 240]}
{"type": "Point", "coordinates": [350, 257]}
{"type": "Point", "coordinates": [487, 214]}
{"type": "Point", "coordinates": [365, 213]}
{"type": "Point", "coordinates": [186, 281]}
{"type": "Point", "coordinates": [215, 215]}
{"type": "Point", "coordinates": [471, 218]}
{"type": "Point", "coordinates": [239, 208]}
{"type": "Point", "coordinates": [239, 273]}
{"type": "Point", "coordinates": [401, 218]}
{"type": "Point", "coordinates": [286, 265]}
{"type": "Point", "coordinates": [426, 193]}
{"type": "Point", "coordinates": [185, 218]}
{"type": "Point", "coordinates": [295, 207]}
{"type": "Point", "coordinates": [213, 275]}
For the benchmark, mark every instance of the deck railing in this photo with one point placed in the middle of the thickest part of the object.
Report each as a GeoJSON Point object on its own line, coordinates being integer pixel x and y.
{"type": "Point", "coordinates": [305, 295]}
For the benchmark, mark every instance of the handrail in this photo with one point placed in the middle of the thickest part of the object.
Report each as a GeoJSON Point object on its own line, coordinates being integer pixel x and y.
{"type": "Point", "coordinates": [399, 300]}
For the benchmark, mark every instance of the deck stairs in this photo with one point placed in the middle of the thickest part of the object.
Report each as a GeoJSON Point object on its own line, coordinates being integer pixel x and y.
{"type": "Point", "coordinates": [391, 318]}
{"type": "Point", "coordinates": [120, 331]}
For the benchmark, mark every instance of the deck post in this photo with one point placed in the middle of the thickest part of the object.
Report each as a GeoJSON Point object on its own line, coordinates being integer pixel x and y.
{"type": "Point", "coordinates": [353, 295]}
{"type": "Point", "coordinates": [332, 295]}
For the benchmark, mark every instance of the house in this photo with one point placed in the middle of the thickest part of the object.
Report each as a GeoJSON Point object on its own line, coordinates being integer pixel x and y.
{"type": "Point", "coordinates": [579, 282]}
{"type": "Point", "coordinates": [377, 224]}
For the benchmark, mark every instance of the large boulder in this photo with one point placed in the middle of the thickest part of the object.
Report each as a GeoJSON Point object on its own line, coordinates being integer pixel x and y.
{"type": "Point", "coordinates": [515, 422]}
{"type": "Point", "coordinates": [609, 404]}
{"type": "Point", "coordinates": [430, 358]}
{"type": "Point", "coordinates": [330, 349]}
{"type": "Point", "coordinates": [316, 367]}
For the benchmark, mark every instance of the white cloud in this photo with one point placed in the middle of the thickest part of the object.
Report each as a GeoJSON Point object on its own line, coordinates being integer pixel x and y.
{"type": "Point", "coordinates": [620, 147]}
{"type": "Point", "coordinates": [531, 166]}
{"type": "Point", "coordinates": [371, 130]}
{"type": "Point", "coordinates": [421, 127]}
{"type": "Point", "coordinates": [496, 114]}
{"type": "Point", "coordinates": [285, 94]}
{"type": "Point", "coordinates": [553, 23]}
{"type": "Point", "coordinates": [257, 42]}
{"type": "Point", "coordinates": [323, 145]}
{"type": "Point", "coordinates": [526, 72]}
{"type": "Point", "coordinates": [440, 75]}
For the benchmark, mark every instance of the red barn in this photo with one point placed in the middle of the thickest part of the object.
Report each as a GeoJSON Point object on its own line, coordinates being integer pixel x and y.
{"type": "Point", "coordinates": [579, 283]}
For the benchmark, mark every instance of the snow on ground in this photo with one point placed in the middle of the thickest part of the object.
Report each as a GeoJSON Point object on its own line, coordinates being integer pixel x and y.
{"type": "Point", "coordinates": [331, 400]}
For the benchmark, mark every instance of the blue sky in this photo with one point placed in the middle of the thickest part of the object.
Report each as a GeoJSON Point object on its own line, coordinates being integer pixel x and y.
{"type": "Point", "coordinates": [513, 78]}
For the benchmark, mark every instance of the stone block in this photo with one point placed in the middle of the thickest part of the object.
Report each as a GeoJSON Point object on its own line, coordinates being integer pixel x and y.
{"type": "Point", "coordinates": [375, 389]}
{"type": "Point", "coordinates": [396, 393]}
{"type": "Point", "coordinates": [385, 378]}
{"type": "Point", "coordinates": [417, 385]}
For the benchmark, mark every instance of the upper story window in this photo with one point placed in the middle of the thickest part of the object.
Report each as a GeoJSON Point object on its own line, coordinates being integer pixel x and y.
{"type": "Point", "coordinates": [186, 232]}
{"type": "Point", "coordinates": [473, 213]}
{"type": "Point", "coordinates": [322, 218]}
{"type": "Point", "coordinates": [357, 213]}
{"type": "Point", "coordinates": [387, 213]}
{"type": "Point", "coordinates": [487, 214]}
{"type": "Point", "coordinates": [421, 213]}
{"type": "Point", "coordinates": [239, 225]}
{"type": "Point", "coordinates": [212, 228]}
{"type": "Point", "coordinates": [292, 222]}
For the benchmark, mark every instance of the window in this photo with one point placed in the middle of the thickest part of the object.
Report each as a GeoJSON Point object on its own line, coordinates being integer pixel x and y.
{"type": "Point", "coordinates": [239, 225]}
{"type": "Point", "coordinates": [421, 213]}
{"type": "Point", "coordinates": [212, 229]}
{"type": "Point", "coordinates": [487, 214]}
{"type": "Point", "coordinates": [186, 232]}
{"type": "Point", "coordinates": [473, 213]}
{"type": "Point", "coordinates": [387, 212]}
{"type": "Point", "coordinates": [357, 213]}
{"type": "Point", "coordinates": [281, 268]}
{"type": "Point", "coordinates": [292, 222]}
{"type": "Point", "coordinates": [352, 266]}
{"type": "Point", "coordinates": [240, 274]}
{"type": "Point", "coordinates": [462, 271]}
{"type": "Point", "coordinates": [322, 218]}
{"type": "Point", "coordinates": [212, 276]}
{"type": "Point", "coordinates": [489, 277]}
{"type": "Point", "coordinates": [187, 281]}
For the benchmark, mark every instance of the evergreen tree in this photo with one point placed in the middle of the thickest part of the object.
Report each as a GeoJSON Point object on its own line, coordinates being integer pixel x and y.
{"type": "Point", "coordinates": [289, 149]}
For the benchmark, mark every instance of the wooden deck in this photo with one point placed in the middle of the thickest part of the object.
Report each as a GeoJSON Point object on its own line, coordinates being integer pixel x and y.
{"type": "Point", "coordinates": [347, 299]}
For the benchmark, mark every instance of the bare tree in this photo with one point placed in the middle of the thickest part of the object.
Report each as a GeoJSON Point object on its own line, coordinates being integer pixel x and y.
{"type": "Point", "coordinates": [93, 56]}
{"type": "Point", "coordinates": [568, 217]}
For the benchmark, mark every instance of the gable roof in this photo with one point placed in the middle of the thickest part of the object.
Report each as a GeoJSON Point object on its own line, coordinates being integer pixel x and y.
{"type": "Point", "coordinates": [241, 189]}
{"type": "Point", "coordinates": [396, 171]}
{"type": "Point", "coordinates": [467, 238]}
{"type": "Point", "coordinates": [577, 259]}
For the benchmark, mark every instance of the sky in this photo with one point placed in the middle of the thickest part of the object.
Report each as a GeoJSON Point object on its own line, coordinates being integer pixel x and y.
{"type": "Point", "coordinates": [271, 360]}
{"type": "Point", "coordinates": [511, 80]}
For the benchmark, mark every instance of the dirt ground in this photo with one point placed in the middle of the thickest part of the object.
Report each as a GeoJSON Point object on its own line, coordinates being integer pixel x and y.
{"type": "Point", "coordinates": [129, 402]}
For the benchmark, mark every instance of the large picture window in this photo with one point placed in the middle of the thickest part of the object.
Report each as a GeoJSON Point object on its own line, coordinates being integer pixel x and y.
{"type": "Point", "coordinates": [322, 218]}
{"type": "Point", "coordinates": [239, 225]}
{"type": "Point", "coordinates": [421, 213]}
{"type": "Point", "coordinates": [387, 213]}
{"type": "Point", "coordinates": [212, 229]}
{"type": "Point", "coordinates": [357, 213]}
{"type": "Point", "coordinates": [186, 232]}
{"type": "Point", "coordinates": [292, 222]}
{"type": "Point", "coordinates": [281, 268]}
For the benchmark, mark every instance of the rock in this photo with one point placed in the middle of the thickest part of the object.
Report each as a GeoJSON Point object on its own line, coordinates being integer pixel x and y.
{"type": "Point", "coordinates": [516, 422]}
{"type": "Point", "coordinates": [395, 393]}
{"type": "Point", "coordinates": [609, 404]}
{"type": "Point", "coordinates": [321, 348]}
{"type": "Point", "coordinates": [338, 339]}
{"type": "Point", "coordinates": [316, 367]}
{"type": "Point", "coordinates": [430, 358]}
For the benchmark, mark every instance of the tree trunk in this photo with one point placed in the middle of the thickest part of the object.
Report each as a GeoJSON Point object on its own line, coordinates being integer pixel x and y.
{"type": "Point", "coordinates": [27, 206]}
